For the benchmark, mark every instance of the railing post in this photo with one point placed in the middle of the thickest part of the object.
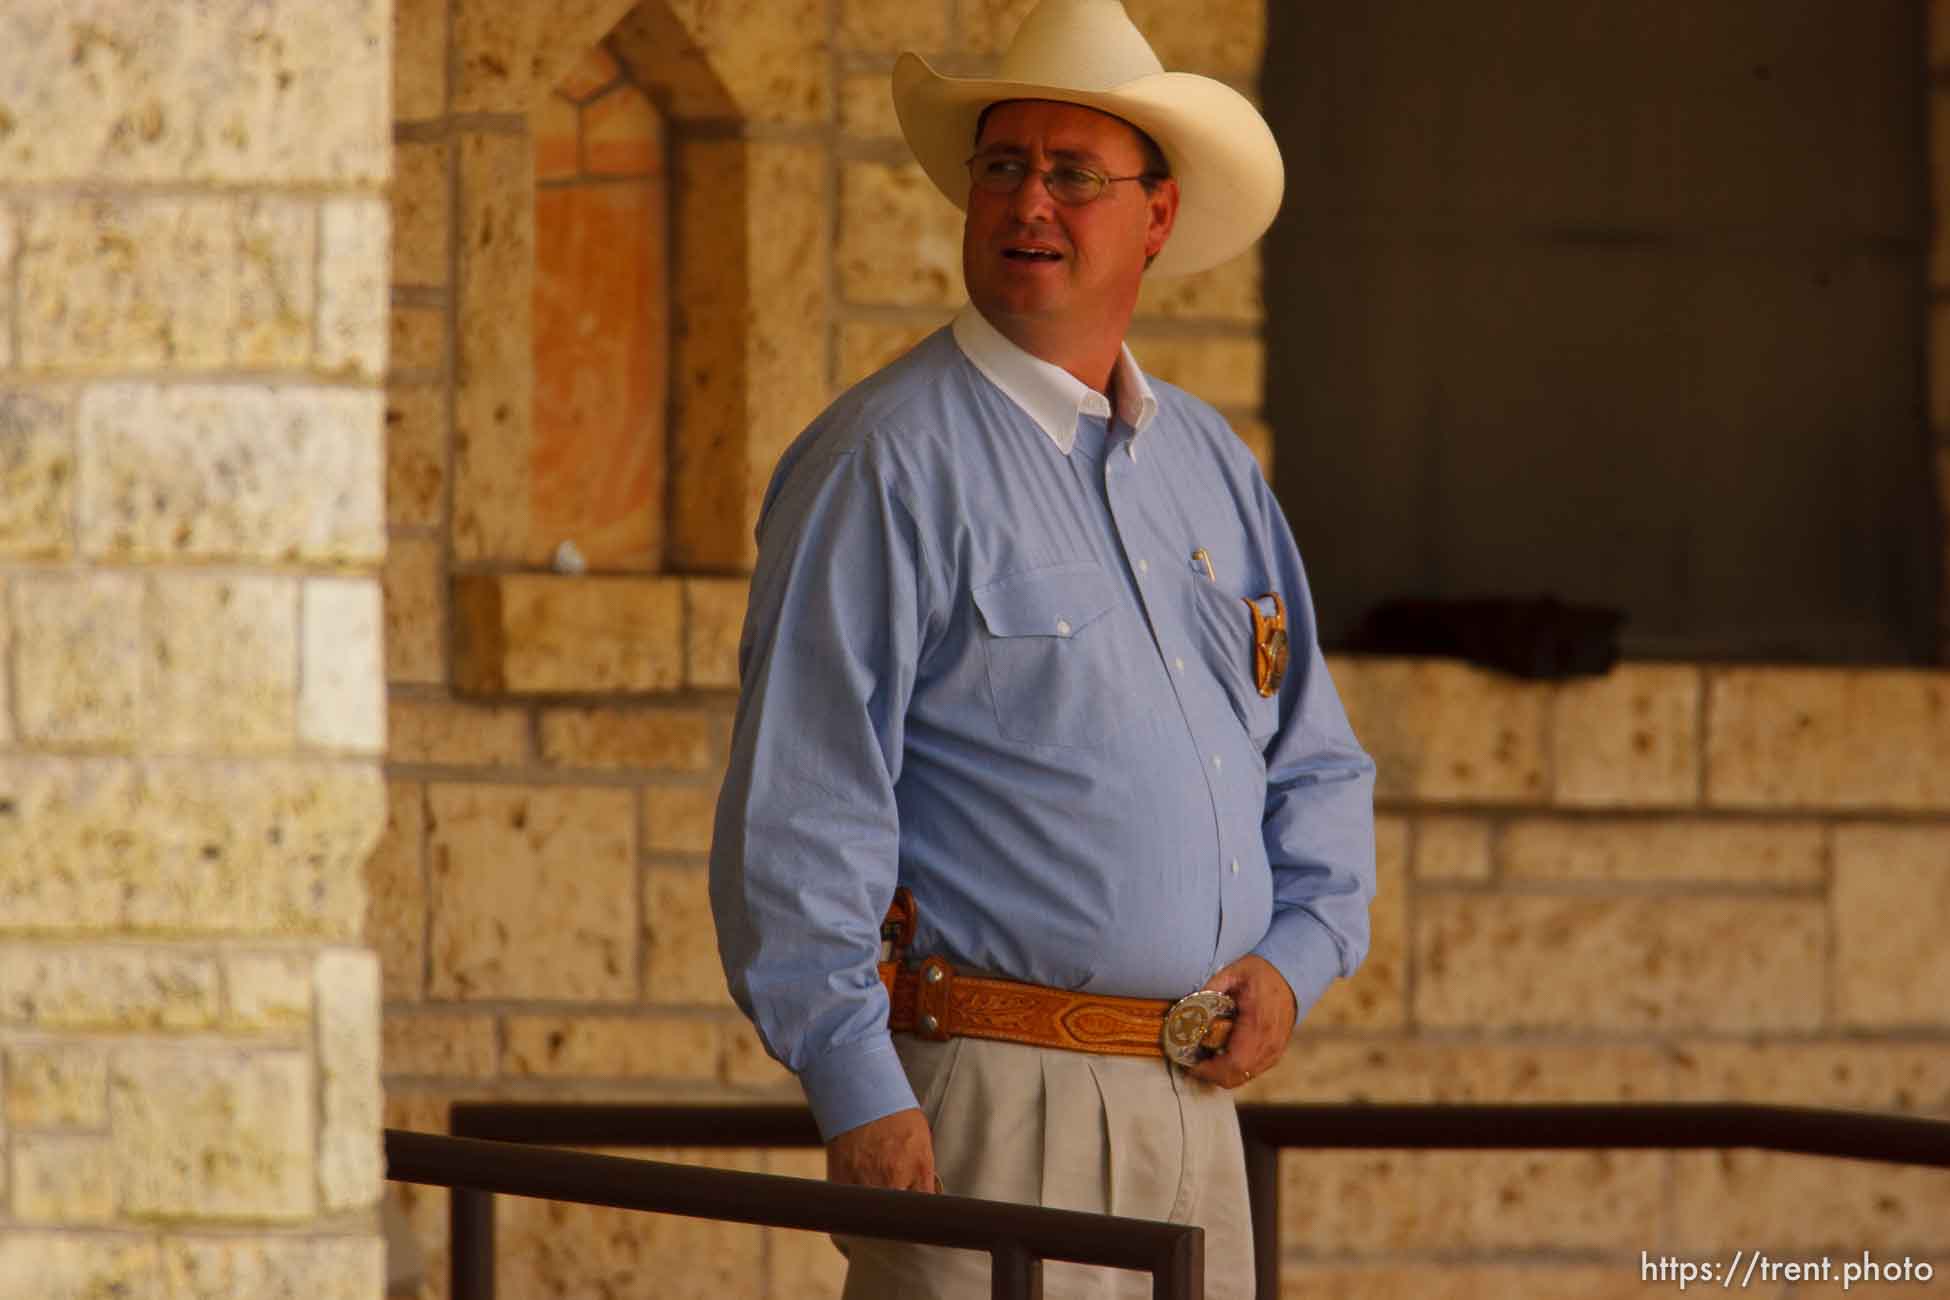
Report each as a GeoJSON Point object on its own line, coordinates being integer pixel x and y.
{"type": "Point", "coordinates": [470, 1244]}
{"type": "Point", "coordinates": [1180, 1275]}
{"type": "Point", "coordinates": [1014, 1273]}
{"type": "Point", "coordinates": [1263, 1193]}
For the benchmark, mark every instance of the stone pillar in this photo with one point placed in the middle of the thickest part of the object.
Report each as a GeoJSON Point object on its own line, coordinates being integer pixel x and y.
{"type": "Point", "coordinates": [193, 250]}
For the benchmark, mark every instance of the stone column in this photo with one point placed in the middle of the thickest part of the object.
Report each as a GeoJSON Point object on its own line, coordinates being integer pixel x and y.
{"type": "Point", "coordinates": [193, 249]}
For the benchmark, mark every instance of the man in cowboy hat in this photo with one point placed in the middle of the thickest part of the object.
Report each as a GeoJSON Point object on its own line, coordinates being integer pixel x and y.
{"type": "Point", "coordinates": [1018, 646]}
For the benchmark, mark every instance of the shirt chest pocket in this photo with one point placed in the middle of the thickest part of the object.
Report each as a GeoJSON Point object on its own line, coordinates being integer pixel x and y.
{"type": "Point", "coordinates": [1055, 662]}
{"type": "Point", "coordinates": [1225, 628]}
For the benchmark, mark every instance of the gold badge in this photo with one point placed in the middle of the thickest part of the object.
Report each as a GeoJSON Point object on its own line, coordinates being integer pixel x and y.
{"type": "Point", "coordinates": [1269, 644]}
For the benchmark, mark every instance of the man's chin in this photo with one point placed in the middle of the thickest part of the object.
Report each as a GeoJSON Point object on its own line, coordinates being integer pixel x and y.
{"type": "Point", "coordinates": [1021, 302]}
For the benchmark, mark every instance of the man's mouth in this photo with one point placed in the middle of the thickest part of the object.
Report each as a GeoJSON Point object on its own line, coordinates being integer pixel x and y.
{"type": "Point", "coordinates": [1031, 253]}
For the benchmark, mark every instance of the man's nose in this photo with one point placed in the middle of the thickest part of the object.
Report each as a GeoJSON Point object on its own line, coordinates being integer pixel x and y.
{"type": "Point", "coordinates": [1032, 199]}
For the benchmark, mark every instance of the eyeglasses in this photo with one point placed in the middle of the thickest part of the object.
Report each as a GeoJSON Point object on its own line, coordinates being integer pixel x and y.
{"type": "Point", "coordinates": [1067, 183]}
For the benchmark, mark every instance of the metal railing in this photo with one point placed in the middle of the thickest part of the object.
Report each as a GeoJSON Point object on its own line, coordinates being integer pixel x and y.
{"type": "Point", "coordinates": [1267, 1129]}
{"type": "Point", "coordinates": [1666, 1126]}
{"type": "Point", "coordinates": [1017, 1237]}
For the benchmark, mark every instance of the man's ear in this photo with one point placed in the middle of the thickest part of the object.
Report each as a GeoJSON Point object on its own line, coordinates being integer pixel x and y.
{"type": "Point", "coordinates": [1161, 210]}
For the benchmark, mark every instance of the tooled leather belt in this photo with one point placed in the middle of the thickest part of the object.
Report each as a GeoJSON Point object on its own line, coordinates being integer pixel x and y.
{"type": "Point", "coordinates": [934, 1001]}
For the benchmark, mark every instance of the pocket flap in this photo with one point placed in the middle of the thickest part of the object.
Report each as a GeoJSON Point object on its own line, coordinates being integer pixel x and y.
{"type": "Point", "coordinates": [1059, 602]}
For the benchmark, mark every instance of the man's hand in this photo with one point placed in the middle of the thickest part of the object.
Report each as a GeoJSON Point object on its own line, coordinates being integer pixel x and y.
{"type": "Point", "coordinates": [1259, 1036]}
{"type": "Point", "coordinates": [895, 1151]}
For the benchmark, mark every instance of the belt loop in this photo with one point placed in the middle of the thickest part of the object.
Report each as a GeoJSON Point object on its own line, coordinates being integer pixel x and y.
{"type": "Point", "coordinates": [932, 1020]}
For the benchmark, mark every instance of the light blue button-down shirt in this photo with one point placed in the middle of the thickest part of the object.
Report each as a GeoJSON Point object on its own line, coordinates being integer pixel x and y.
{"type": "Point", "coordinates": [982, 660]}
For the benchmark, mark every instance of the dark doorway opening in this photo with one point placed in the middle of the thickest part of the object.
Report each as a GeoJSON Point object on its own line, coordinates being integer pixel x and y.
{"type": "Point", "coordinates": [1620, 302]}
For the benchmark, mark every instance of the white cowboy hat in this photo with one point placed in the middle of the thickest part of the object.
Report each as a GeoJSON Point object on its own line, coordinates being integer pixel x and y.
{"type": "Point", "coordinates": [1088, 52]}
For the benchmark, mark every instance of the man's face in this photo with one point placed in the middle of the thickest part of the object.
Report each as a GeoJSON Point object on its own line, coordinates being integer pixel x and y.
{"type": "Point", "coordinates": [1035, 263]}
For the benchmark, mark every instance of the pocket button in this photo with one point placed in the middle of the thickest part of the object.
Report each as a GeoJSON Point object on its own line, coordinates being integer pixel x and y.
{"type": "Point", "coordinates": [1062, 627]}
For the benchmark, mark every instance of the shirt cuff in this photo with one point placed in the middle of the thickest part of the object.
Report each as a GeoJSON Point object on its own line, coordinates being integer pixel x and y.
{"type": "Point", "coordinates": [855, 1084]}
{"type": "Point", "coordinates": [1302, 949]}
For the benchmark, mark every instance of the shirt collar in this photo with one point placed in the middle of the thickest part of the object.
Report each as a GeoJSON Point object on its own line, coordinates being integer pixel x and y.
{"type": "Point", "coordinates": [1050, 395]}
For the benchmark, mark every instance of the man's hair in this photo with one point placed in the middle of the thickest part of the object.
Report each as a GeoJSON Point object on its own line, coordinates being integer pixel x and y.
{"type": "Point", "coordinates": [1157, 167]}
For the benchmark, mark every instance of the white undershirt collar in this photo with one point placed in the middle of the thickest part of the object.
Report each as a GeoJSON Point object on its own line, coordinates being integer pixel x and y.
{"type": "Point", "coordinates": [1050, 395]}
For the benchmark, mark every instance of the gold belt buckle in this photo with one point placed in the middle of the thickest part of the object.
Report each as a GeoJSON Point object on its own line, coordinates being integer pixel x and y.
{"type": "Point", "coordinates": [1188, 1021]}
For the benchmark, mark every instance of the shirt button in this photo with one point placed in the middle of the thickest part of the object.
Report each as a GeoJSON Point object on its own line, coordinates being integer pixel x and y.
{"type": "Point", "coordinates": [1062, 627]}
{"type": "Point", "coordinates": [1235, 866]}
{"type": "Point", "coordinates": [1179, 663]}
{"type": "Point", "coordinates": [1217, 761]}
{"type": "Point", "coordinates": [1144, 566]}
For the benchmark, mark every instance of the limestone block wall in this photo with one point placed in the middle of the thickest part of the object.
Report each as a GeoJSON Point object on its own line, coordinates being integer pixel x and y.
{"type": "Point", "coordinates": [1682, 881]}
{"type": "Point", "coordinates": [193, 248]}
{"type": "Point", "coordinates": [1673, 883]}
{"type": "Point", "coordinates": [538, 900]}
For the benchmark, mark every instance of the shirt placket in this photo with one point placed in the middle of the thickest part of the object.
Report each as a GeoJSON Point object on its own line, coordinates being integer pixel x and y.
{"type": "Point", "coordinates": [1165, 615]}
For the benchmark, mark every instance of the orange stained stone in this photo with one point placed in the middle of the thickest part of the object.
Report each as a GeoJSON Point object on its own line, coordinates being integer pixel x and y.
{"type": "Point", "coordinates": [622, 135]}
{"type": "Point", "coordinates": [601, 371]}
{"type": "Point", "coordinates": [556, 125]}
{"type": "Point", "coordinates": [591, 75]}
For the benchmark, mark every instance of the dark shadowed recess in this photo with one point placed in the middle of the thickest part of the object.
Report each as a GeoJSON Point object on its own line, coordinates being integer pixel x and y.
{"type": "Point", "coordinates": [1620, 303]}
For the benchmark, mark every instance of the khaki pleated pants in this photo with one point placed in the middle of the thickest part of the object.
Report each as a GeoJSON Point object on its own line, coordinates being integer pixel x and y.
{"type": "Point", "coordinates": [1072, 1131]}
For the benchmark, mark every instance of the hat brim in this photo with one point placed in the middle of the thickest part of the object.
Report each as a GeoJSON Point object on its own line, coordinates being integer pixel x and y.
{"type": "Point", "coordinates": [1230, 177]}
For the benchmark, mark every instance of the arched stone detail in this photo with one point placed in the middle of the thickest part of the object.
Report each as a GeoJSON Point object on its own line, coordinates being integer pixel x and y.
{"type": "Point", "coordinates": [598, 472]}
{"type": "Point", "coordinates": [507, 56]}
{"type": "Point", "coordinates": [740, 86]}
